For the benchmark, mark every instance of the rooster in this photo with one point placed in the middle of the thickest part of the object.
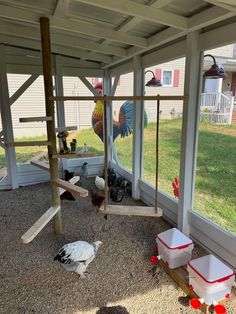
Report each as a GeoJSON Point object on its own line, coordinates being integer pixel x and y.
{"type": "Point", "coordinates": [123, 127]}
{"type": "Point", "coordinates": [77, 256]}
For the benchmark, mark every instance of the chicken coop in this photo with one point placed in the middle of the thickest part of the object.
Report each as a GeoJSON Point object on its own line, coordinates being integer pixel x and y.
{"type": "Point", "coordinates": [104, 40]}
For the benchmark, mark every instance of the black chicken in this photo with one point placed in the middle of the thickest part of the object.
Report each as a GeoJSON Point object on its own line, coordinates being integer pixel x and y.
{"type": "Point", "coordinates": [124, 184]}
{"type": "Point", "coordinates": [67, 195]}
{"type": "Point", "coordinates": [117, 194]}
{"type": "Point", "coordinates": [68, 175]}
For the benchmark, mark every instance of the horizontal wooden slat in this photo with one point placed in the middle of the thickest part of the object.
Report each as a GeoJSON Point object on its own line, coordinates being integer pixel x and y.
{"type": "Point", "coordinates": [40, 164]}
{"type": "Point", "coordinates": [130, 210]}
{"type": "Point", "coordinates": [71, 188]}
{"type": "Point", "coordinates": [35, 119]}
{"type": "Point", "coordinates": [107, 98]}
{"type": "Point", "coordinates": [79, 155]}
{"type": "Point", "coordinates": [29, 143]}
{"type": "Point", "coordinates": [39, 224]}
{"type": "Point", "coordinates": [73, 180]}
{"type": "Point", "coordinates": [66, 128]}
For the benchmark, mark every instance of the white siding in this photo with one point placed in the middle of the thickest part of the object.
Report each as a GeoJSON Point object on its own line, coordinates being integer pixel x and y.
{"type": "Point", "coordinates": [165, 106]}
{"type": "Point", "coordinates": [224, 51]}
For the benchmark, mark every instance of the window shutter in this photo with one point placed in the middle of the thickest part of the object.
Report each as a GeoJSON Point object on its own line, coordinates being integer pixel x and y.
{"type": "Point", "coordinates": [176, 78]}
{"type": "Point", "coordinates": [158, 74]}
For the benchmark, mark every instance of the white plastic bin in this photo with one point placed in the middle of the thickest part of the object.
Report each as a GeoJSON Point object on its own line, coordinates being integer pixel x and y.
{"type": "Point", "coordinates": [174, 248]}
{"type": "Point", "coordinates": [210, 279]}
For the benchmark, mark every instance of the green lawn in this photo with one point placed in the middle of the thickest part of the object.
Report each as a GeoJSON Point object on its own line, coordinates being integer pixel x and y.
{"type": "Point", "coordinates": [215, 195]}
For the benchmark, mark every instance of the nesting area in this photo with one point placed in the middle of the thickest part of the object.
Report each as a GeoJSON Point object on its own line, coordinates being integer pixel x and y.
{"type": "Point", "coordinates": [122, 279]}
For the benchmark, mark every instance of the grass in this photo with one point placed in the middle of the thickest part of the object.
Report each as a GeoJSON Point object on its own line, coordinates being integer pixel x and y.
{"type": "Point", "coordinates": [215, 196]}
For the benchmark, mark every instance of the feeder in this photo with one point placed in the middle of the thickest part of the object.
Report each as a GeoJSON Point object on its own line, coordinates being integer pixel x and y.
{"type": "Point", "coordinates": [175, 249]}
{"type": "Point", "coordinates": [210, 279]}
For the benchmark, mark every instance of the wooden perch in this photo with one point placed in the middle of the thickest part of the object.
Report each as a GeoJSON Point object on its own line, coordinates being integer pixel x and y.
{"type": "Point", "coordinates": [39, 224]}
{"type": "Point", "coordinates": [40, 164]}
{"type": "Point", "coordinates": [73, 180]}
{"type": "Point", "coordinates": [35, 143]}
{"type": "Point", "coordinates": [79, 155]}
{"type": "Point", "coordinates": [144, 211]}
{"type": "Point", "coordinates": [66, 128]}
{"type": "Point", "coordinates": [71, 188]}
{"type": "Point", "coordinates": [35, 119]}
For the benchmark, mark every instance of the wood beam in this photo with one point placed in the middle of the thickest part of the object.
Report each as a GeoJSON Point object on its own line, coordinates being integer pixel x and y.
{"type": "Point", "coordinates": [61, 7]}
{"type": "Point", "coordinates": [198, 21]}
{"type": "Point", "coordinates": [40, 224]}
{"type": "Point", "coordinates": [139, 10]}
{"type": "Point", "coordinates": [188, 138]}
{"type": "Point", "coordinates": [143, 211]}
{"type": "Point", "coordinates": [23, 88]}
{"type": "Point", "coordinates": [40, 164]}
{"type": "Point", "coordinates": [88, 85]}
{"type": "Point", "coordinates": [209, 17]}
{"type": "Point", "coordinates": [80, 27]}
{"type": "Point", "coordinates": [222, 5]}
{"type": "Point", "coordinates": [108, 98]}
{"type": "Point", "coordinates": [35, 119]}
{"type": "Point", "coordinates": [71, 188]}
{"type": "Point", "coordinates": [60, 39]}
{"type": "Point", "coordinates": [49, 104]}
{"type": "Point", "coordinates": [29, 143]}
{"type": "Point", "coordinates": [97, 31]}
{"type": "Point", "coordinates": [6, 117]}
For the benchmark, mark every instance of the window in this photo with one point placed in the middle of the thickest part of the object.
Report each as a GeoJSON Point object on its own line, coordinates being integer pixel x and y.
{"type": "Point", "coordinates": [167, 77]}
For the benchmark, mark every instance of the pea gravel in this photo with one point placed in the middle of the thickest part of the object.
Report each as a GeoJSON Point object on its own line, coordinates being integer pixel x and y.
{"type": "Point", "coordinates": [121, 279]}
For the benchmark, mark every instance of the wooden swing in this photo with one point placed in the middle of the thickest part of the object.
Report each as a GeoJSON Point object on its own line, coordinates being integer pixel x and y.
{"type": "Point", "coordinates": [145, 211]}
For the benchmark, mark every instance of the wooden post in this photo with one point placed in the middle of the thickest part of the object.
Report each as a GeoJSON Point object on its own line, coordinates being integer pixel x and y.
{"type": "Point", "coordinates": [137, 127]}
{"type": "Point", "coordinates": [48, 86]}
{"type": "Point", "coordinates": [105, 140]}
{"type": "Point", "coordinates": [157, 153]}
{"type": "Point", "coordinates": [5, 109]}
{"type": "Point", "coordinates": [188, 138]}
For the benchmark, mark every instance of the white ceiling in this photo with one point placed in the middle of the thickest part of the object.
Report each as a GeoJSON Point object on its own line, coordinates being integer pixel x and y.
{"type": "Point", "coordinates": [107, 32]}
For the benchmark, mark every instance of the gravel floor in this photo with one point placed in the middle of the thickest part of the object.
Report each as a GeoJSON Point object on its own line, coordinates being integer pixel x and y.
{"type": "Point", "coordinates": [121, 278]}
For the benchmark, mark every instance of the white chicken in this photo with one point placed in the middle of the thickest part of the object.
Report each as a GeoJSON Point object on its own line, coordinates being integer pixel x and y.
{"type": "Point", "coordinates": [100, 183]}
{"type": "Point", "coordinates": [77, 256]}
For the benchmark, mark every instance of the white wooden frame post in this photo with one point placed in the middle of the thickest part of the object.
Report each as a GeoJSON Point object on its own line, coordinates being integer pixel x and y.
{"type": "Point", "coordinates": [5, 106]}
{"type": "Point", "coordinates": [188, 140]}
{"type": "Point", "coordinates": [137, 127]}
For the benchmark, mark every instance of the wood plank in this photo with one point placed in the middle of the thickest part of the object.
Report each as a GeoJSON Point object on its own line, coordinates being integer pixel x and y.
{"type": "Point", "coordinates": [35, 119]}
{"type": "Point", "coordinates": [144, 211]}
{"type": "Point", "coordinates": [180, 276]}
{"type": "Point", "coordinates": [29, 143]}
{"type": "Point", "coordinates": [40, 164]}
{"type": "Point", "coordinates": [73, 180]}
{"type": "Point", "coordinates": [66, 128]}
{"type": "Point", "coordinates": [39, 224]}
{"type": "Point", "coordinates": [108, 98]}
{"type": "Point", "coordinates": [79, 155]}
{"type": "Point", "coordinates": [71, 188]}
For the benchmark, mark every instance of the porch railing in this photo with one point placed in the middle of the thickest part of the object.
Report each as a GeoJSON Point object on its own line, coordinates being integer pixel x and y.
{"type": "Point", "coordinates": [216, 108]}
